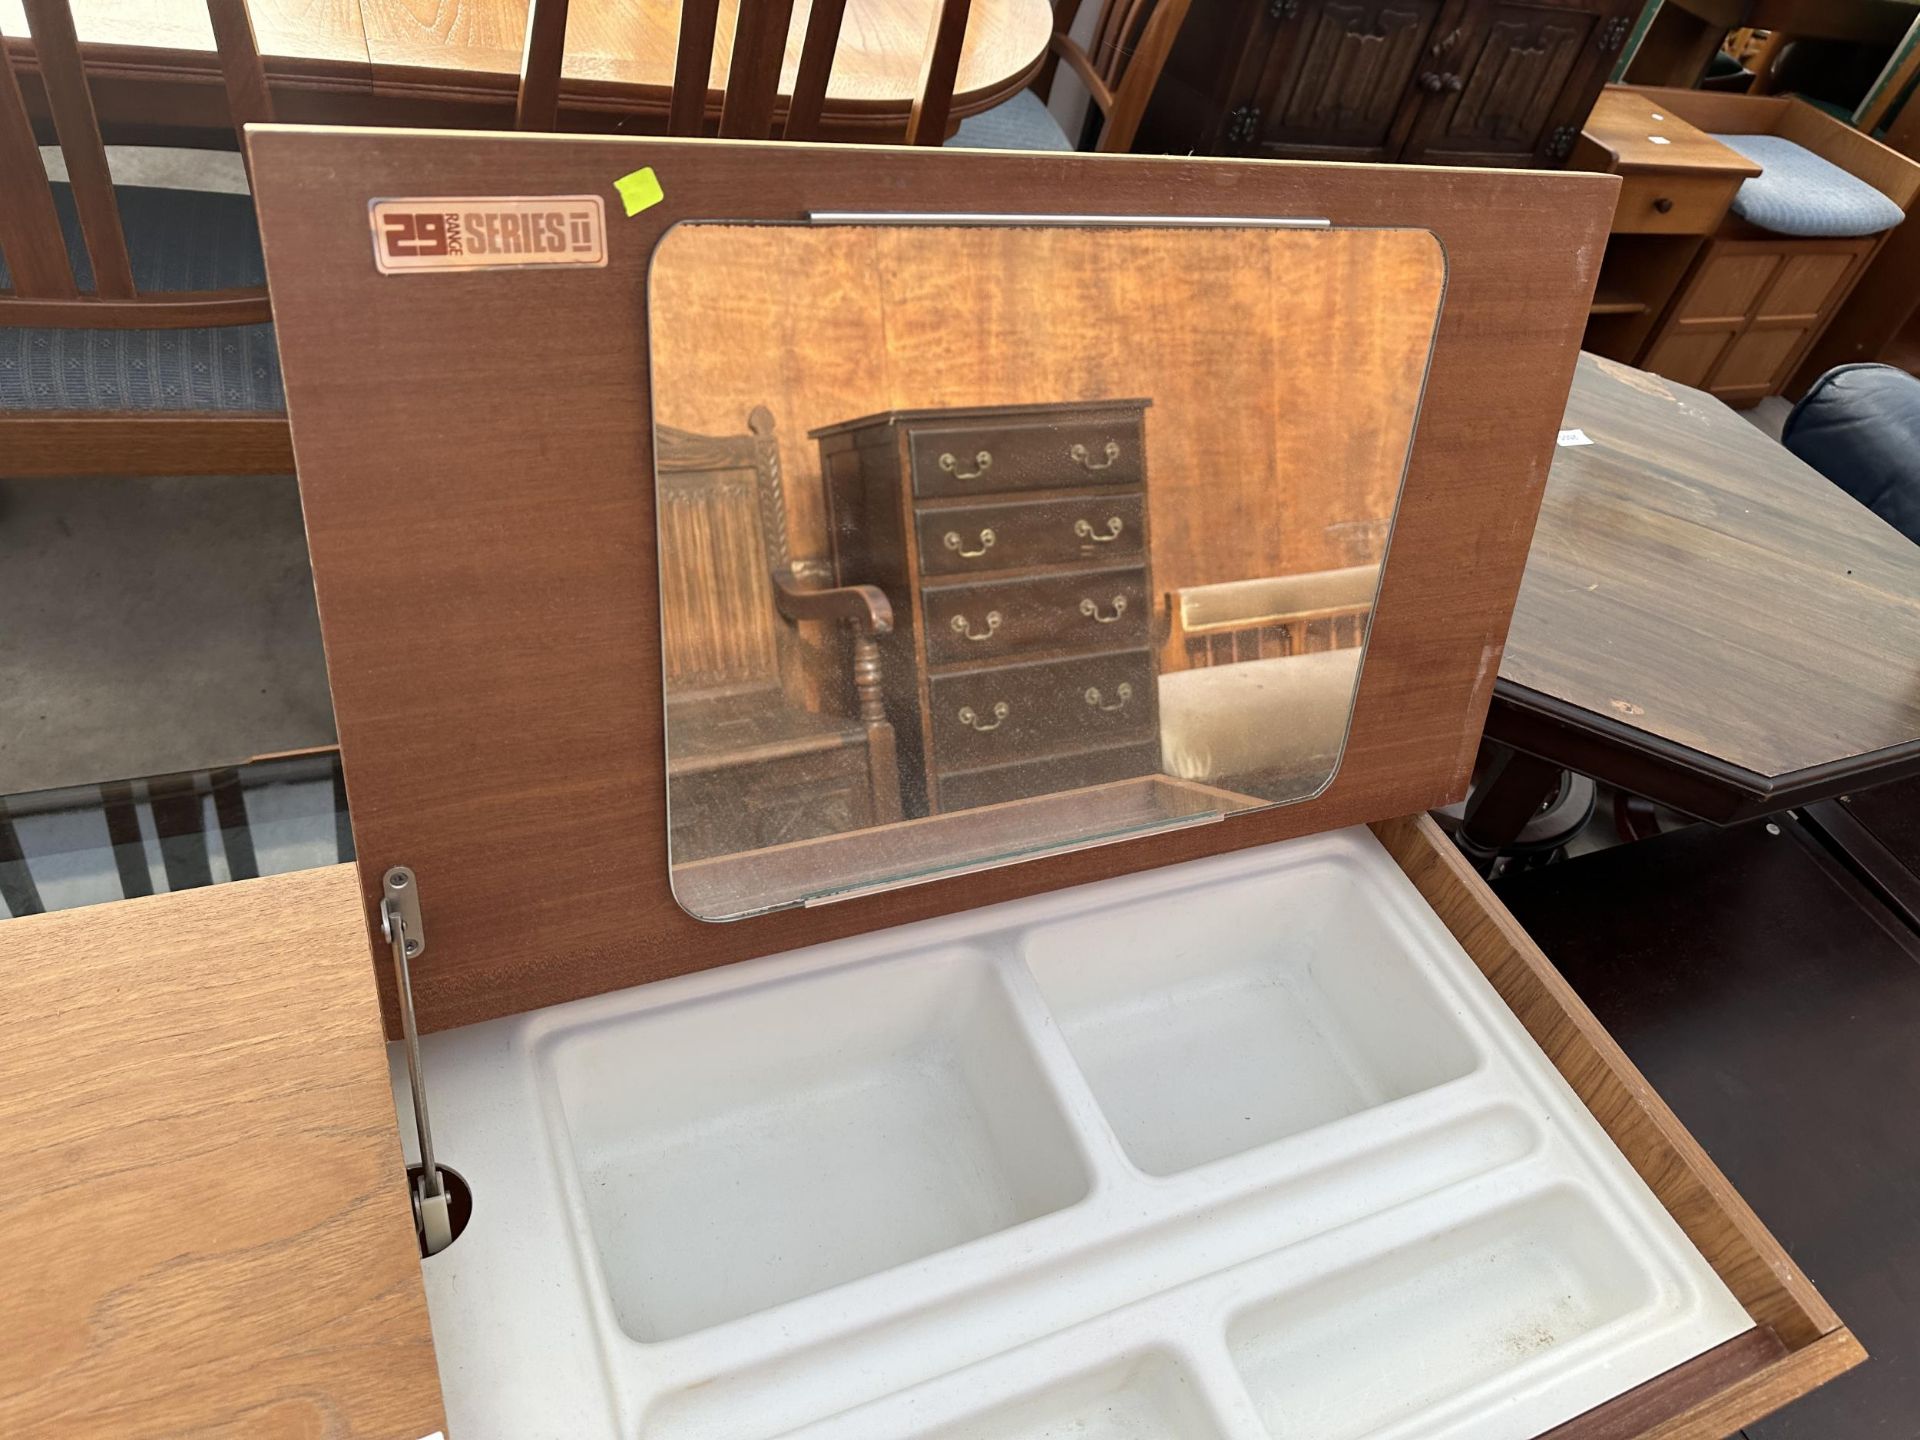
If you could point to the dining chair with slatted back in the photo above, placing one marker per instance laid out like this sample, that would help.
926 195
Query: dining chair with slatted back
1129 47
749 106
135 333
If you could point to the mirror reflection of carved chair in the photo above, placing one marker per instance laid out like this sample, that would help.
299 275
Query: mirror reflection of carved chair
765 743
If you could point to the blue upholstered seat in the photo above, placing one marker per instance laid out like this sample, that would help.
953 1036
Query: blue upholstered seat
1803 195
1022 123
177 240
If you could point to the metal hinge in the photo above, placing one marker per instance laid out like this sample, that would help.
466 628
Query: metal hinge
1613 34
1560 145
406 936
1242 124
1278 10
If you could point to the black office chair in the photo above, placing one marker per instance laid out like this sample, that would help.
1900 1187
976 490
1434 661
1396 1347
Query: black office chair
1859 425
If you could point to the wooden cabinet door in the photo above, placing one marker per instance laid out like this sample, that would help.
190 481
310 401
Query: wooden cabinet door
1749 310
1332 78
1510 81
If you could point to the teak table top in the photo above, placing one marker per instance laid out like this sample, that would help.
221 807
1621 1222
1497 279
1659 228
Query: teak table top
1697 593
203 1212
443 58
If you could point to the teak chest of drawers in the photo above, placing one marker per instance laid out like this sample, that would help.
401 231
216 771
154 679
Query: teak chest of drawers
1013 544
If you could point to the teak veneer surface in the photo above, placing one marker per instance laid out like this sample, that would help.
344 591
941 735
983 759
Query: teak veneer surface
203 1211
476 466
1691 579
1638 135
443 59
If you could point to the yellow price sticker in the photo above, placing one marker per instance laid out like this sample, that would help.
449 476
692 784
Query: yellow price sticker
639 191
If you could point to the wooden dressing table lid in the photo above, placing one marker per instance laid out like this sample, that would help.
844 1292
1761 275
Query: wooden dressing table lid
476 467
202 1208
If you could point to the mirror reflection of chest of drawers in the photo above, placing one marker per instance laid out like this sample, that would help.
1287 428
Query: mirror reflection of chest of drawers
1012 542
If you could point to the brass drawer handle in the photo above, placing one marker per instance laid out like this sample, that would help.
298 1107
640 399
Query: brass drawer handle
953 542
1084 529
1123 692
983 462
1086 462
962 626
1091 609
971 717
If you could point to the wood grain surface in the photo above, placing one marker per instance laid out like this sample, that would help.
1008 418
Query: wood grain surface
73 442
631 43
204 1212
1637 135
1284 366
476 469
299 30
1693 580
461 51
1721 1225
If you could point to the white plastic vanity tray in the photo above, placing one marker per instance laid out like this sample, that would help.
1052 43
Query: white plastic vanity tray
1245 1149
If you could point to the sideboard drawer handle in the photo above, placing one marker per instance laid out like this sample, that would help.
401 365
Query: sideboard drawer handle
1085 461
953 542
982 463
1084 529
1663 205
1091 609
971 717
1123 692
962 626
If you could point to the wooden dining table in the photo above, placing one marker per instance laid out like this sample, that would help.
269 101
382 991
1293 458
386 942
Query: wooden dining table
1705 621
455 63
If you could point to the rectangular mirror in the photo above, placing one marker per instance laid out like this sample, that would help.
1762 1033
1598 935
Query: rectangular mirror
978 542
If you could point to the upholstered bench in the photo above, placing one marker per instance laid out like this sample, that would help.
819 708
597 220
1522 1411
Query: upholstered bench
1272 725
1798 193
1795 240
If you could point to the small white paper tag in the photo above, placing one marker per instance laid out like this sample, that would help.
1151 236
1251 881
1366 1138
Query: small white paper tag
1659 139
1567 437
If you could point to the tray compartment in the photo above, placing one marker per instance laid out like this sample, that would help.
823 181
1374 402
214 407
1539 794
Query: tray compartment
739 1152
1257 1011
1139 1397
1379 1349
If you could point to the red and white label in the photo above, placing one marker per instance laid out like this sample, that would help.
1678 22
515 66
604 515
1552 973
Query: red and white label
489 232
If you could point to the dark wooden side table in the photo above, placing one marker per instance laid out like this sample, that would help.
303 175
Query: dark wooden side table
1704 621
1763 990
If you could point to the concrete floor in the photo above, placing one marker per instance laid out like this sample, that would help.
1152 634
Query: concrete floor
151 626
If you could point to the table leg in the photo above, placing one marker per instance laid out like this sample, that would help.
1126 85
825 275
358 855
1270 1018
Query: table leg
1512 790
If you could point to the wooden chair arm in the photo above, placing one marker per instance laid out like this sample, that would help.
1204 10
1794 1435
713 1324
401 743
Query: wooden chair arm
1077 59
864 605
